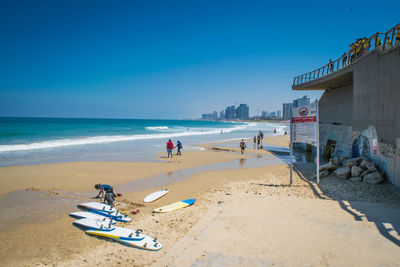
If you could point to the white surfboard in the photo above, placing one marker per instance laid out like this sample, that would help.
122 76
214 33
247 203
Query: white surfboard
119 233
92 224
147 242
98 206
156 195
90 215
105 210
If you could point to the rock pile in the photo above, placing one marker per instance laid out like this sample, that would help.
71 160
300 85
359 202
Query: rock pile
354 169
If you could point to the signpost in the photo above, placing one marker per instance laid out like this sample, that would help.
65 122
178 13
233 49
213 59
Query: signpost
304 129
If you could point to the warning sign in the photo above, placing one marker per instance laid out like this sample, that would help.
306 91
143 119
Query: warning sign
304 120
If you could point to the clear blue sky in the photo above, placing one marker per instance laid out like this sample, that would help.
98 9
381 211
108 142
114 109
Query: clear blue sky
170 59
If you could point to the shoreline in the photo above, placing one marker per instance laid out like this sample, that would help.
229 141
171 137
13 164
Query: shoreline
57 242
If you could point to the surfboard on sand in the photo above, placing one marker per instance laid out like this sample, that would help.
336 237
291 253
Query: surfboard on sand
104 210
98 206
176 205
91 224
156 195
119 233
129 237
90 215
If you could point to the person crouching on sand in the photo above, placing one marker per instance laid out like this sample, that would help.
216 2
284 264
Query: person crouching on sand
242 146
107 191
170 147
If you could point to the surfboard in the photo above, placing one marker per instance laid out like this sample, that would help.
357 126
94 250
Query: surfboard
90 215
176 205
105 210
119 233
146 242
98 206
91 224
156 195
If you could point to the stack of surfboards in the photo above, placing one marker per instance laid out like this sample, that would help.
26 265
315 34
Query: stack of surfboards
99 220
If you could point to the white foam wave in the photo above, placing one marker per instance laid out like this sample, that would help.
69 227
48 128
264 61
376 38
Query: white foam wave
156 128
109 139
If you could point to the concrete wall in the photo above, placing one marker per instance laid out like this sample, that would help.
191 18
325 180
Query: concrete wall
376 108
336 106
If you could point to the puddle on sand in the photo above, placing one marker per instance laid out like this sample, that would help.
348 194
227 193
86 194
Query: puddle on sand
162 180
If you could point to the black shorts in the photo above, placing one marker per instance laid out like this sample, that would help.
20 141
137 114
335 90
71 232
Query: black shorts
109 198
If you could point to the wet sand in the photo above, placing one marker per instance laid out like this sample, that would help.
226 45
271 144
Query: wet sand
233 198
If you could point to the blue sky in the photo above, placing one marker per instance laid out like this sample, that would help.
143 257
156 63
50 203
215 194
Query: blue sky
170 59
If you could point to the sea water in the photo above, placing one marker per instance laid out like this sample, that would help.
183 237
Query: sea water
28 141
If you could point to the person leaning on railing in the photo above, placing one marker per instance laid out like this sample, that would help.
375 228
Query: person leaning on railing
378 41
366 46
330 66
397 36
344 59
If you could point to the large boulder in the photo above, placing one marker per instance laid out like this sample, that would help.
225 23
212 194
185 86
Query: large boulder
364 163
365 172
336 162
352 162
371 167
373 178
356 171
323 173
343 172
328 166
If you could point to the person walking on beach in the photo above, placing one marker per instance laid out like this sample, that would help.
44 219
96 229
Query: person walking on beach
254 141
258 141
242 146
170 147
179 146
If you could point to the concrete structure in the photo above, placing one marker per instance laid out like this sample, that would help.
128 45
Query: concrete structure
360 110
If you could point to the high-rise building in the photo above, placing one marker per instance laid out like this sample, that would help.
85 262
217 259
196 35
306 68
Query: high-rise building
278 114
242 112
222 115
287 111
230 113
300 102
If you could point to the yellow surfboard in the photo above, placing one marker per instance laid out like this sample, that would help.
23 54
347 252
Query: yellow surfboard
176 205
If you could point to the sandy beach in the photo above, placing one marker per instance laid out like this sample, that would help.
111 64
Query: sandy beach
247 213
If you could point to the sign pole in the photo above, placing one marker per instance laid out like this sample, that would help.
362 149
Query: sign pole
317 137
291 149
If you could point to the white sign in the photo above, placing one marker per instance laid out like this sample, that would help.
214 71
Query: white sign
304 124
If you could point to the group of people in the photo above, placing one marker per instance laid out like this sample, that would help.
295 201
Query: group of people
257 139
361 47
170 148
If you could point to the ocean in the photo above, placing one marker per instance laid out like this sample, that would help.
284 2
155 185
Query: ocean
29 141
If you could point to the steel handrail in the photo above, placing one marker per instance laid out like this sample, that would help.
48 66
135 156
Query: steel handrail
349 57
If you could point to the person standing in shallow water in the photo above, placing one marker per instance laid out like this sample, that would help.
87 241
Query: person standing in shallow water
170 147
242 146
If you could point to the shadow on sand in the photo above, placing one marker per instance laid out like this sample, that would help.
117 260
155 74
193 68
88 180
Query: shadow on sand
379 204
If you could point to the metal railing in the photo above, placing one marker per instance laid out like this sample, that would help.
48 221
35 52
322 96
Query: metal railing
354 54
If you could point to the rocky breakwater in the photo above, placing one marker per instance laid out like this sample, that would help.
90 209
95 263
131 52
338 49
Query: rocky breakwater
353 169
